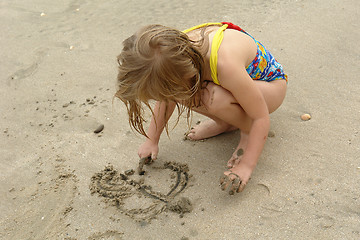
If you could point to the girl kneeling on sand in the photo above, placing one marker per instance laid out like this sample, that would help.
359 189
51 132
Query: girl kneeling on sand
216 69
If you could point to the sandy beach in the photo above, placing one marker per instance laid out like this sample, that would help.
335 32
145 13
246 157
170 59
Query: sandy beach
60 180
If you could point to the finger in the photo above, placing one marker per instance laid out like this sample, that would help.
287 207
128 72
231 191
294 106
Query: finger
223 179
235 186
143 154
225 183
148 160
241 187
141 166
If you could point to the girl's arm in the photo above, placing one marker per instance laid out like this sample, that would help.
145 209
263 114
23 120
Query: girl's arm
248 95
234 78
160 117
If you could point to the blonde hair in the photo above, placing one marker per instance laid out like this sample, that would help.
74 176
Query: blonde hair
163 64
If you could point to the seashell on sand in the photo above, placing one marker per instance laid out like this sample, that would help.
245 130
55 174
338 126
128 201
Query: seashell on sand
305 117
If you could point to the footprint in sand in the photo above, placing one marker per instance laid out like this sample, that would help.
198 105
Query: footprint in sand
134 197
31 69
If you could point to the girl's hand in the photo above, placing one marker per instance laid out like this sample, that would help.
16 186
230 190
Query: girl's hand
236 178
243 170
148 149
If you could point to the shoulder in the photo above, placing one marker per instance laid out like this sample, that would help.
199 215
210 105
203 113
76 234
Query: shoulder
236 51
237 46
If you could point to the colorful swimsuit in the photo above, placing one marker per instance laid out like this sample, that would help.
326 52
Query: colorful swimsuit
263 67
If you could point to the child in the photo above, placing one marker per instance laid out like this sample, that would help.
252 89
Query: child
216 69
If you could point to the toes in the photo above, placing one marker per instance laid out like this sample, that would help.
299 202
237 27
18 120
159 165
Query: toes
189 135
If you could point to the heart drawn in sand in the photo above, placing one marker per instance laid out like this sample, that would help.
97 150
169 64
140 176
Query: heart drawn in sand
138 200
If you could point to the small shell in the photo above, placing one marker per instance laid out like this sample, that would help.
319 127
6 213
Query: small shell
305 117
99 129
42 14
71 47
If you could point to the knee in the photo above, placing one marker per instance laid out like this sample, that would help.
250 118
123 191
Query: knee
218 98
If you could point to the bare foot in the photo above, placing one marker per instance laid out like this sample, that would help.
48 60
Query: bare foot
208 129
239 151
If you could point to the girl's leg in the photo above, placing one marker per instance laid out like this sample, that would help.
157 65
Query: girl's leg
218 104
226 114
221 106
209 128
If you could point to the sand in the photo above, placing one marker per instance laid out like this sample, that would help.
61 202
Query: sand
58 76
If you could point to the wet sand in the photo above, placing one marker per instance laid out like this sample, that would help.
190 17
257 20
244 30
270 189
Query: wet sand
58 75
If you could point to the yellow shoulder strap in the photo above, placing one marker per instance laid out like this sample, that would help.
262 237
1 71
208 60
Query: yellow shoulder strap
200 26
218 37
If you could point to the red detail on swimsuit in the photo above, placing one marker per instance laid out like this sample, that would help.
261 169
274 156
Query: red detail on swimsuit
233 26
270 74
